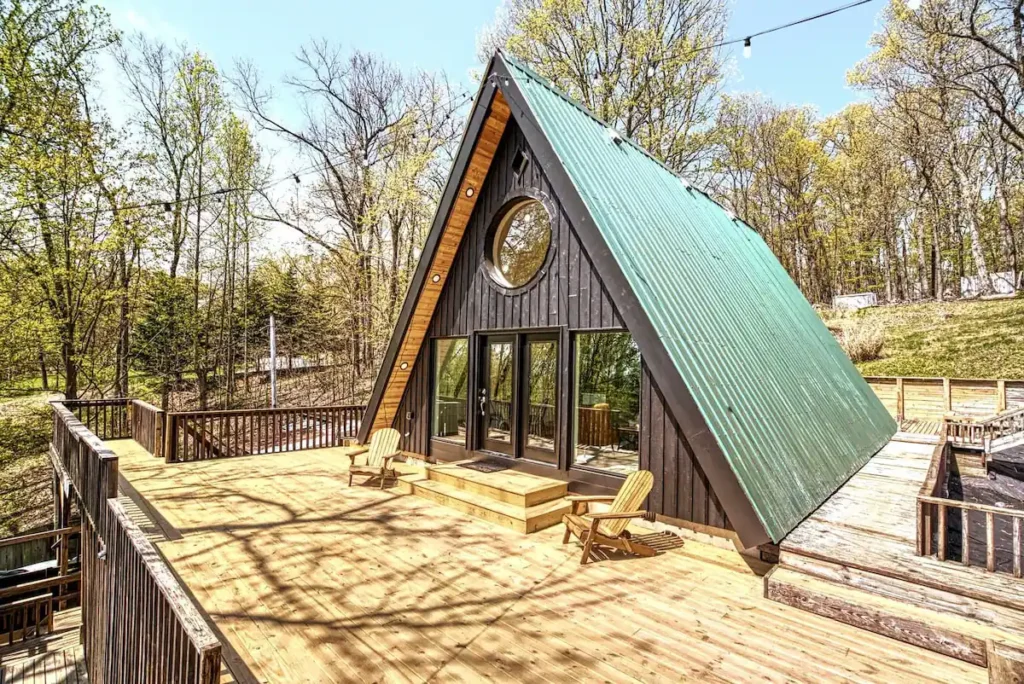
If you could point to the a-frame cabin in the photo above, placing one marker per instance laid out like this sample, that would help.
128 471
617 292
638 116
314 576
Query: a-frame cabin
580 311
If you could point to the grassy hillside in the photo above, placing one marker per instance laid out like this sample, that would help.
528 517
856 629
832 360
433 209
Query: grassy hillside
966 339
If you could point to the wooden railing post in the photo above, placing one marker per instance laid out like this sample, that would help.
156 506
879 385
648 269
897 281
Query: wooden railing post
899 400
170 438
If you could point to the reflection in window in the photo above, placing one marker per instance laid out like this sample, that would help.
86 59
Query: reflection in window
607 402
521 243
451 377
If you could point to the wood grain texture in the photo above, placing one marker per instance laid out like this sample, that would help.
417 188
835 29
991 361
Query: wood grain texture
483 152
312 582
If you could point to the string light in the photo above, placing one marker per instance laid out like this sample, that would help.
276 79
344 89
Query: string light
746 48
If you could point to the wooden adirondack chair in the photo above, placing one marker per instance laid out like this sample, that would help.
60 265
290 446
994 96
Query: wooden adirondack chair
382 449
609 528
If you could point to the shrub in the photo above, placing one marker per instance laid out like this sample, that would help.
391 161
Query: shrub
861 340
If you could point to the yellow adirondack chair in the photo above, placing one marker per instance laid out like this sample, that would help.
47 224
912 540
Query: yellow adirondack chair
382 449
609 528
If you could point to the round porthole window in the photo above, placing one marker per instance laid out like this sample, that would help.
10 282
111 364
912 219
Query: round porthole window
521 243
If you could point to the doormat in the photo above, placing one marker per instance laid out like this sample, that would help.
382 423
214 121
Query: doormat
487 465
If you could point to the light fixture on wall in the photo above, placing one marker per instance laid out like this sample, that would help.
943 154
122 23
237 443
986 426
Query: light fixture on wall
470 191
436 278
404 365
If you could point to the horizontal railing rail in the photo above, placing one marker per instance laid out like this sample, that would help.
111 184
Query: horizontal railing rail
934 520
136 618
201 435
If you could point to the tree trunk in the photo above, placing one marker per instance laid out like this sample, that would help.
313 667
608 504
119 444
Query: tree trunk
42 370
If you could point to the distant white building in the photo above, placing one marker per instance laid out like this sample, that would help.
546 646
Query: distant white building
853 302
1003 283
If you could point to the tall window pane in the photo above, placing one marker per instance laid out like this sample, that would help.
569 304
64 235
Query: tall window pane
607 402
451 379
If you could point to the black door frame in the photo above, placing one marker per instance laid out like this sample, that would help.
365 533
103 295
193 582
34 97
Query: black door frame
523 451
480 367
481 417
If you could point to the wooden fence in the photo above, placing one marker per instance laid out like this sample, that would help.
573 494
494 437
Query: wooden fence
200 435
105 418
931 399
935 522
137 623
147 426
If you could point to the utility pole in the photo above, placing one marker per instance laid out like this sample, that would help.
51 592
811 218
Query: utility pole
273 364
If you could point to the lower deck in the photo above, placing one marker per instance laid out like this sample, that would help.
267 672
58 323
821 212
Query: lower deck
308 580
54 658
855 559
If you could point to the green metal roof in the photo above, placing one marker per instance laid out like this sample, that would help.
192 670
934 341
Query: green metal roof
790 412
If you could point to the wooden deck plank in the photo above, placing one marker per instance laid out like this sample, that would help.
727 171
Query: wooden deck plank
312 581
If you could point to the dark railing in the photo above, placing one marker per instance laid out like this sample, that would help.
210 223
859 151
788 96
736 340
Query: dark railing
200 435
105 418
147 426
137 622
934 521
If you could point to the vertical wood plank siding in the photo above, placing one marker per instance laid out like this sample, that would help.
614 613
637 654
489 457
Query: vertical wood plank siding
137 622
569 294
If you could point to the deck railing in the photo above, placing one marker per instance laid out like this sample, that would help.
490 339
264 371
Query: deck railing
934 518
200 435
105 418
147 426
26 609
980 433
137 622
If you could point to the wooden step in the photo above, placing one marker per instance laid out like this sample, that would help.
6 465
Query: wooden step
894 588
508 486
950 635
524 519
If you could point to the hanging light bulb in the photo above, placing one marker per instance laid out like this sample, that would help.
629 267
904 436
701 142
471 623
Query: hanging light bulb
296 177
746 48
913 5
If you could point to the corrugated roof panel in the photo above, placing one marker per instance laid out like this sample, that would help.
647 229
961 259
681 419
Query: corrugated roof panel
789 410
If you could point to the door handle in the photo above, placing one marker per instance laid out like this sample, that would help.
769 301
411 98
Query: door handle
483 402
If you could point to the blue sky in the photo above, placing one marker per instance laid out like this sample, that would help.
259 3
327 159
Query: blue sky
802 65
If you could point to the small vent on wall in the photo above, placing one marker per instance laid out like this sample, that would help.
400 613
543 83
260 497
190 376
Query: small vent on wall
520 163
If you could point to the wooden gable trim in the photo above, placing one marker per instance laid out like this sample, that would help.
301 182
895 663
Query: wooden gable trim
702 441
487 125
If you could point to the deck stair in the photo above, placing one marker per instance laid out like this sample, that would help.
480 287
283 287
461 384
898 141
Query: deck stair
940 620
854 560
515 500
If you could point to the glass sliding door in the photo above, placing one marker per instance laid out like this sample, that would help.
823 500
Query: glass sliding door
606 405
497 395
540 398
450 389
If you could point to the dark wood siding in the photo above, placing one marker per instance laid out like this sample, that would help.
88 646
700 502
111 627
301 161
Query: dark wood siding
681 489
571 296
569 293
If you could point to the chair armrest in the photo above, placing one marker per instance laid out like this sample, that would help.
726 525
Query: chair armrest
390 457
595 498
620 516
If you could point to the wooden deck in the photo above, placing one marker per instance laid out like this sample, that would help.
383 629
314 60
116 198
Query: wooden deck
56 658
855 560
311 581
